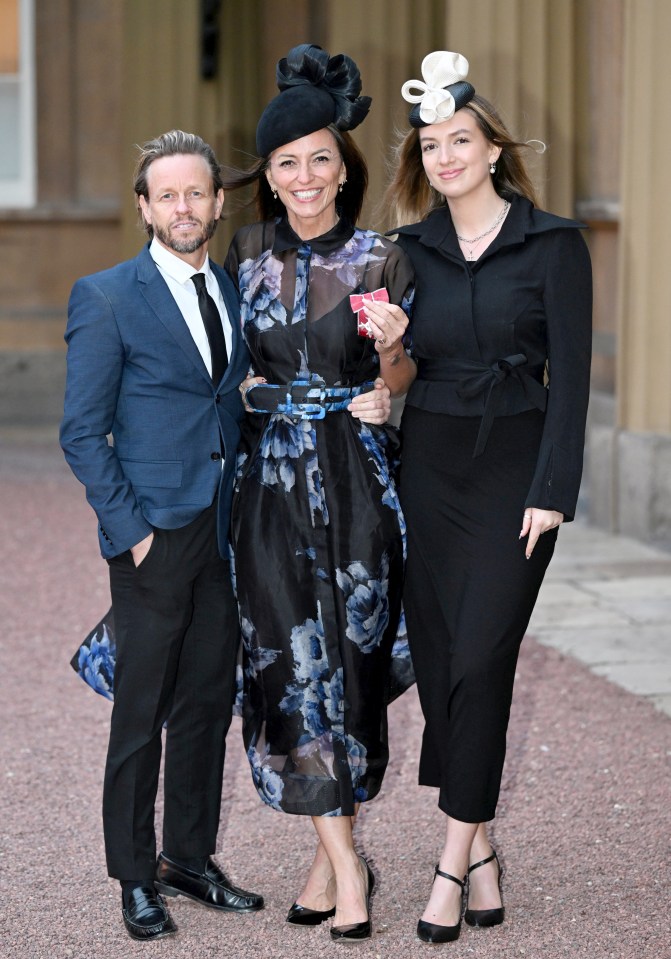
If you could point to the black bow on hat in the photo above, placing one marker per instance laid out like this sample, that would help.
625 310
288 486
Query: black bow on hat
315 90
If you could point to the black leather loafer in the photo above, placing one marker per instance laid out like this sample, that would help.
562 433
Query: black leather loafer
211 888
146 916
302 916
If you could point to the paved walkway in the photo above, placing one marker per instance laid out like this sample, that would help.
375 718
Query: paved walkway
584 818
606 601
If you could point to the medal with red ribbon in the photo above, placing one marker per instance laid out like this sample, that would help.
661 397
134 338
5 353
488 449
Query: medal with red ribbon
358 303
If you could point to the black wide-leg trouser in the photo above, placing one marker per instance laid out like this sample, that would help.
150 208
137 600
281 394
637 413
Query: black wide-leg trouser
469 593
177 638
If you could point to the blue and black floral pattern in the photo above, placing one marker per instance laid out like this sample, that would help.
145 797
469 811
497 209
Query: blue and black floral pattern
259 282
95 659
318 532
356 757
268 783
257 657
366 603
377 444
289 444
314 694
359 253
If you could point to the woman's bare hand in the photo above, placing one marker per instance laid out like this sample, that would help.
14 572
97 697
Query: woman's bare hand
536 522
388 323
372 407
245 385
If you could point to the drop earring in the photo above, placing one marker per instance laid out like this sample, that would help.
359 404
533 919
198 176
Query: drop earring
342 185
492 168
274 192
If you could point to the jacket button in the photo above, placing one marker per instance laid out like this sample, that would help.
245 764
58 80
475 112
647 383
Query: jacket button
217 398
215 456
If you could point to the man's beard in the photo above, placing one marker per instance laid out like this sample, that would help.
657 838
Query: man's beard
186 244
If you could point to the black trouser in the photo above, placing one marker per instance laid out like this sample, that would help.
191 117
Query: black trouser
177 638
469 593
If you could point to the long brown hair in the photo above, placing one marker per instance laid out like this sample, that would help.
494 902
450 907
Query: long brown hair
349 200
410 197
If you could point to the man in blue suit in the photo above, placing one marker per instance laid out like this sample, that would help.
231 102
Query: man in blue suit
155 359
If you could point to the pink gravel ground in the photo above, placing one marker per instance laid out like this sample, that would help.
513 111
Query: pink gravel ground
583 826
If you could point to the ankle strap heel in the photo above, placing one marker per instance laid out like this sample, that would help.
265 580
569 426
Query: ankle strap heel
430 931
486 917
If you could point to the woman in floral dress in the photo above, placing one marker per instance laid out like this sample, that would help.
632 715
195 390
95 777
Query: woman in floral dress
317 529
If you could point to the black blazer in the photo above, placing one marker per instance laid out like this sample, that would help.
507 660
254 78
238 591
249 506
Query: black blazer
484 334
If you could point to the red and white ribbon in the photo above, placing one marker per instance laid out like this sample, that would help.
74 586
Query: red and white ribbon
358 300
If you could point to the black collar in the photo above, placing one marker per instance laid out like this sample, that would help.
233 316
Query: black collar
337 236
437 229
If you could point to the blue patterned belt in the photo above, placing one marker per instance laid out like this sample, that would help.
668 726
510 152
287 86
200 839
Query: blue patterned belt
305 400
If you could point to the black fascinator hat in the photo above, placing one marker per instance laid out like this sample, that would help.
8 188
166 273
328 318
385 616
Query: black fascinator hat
315 91
442 92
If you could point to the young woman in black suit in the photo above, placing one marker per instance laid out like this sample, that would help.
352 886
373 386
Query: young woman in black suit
493 432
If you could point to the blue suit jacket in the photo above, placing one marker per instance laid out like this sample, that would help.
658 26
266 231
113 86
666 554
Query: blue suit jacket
134 371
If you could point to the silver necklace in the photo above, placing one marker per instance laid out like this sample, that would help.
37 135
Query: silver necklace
474 242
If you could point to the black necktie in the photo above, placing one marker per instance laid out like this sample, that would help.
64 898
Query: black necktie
213 328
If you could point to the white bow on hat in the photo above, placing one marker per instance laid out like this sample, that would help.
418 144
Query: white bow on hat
439 69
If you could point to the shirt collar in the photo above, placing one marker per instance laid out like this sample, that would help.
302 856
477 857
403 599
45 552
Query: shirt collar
337 236
174 266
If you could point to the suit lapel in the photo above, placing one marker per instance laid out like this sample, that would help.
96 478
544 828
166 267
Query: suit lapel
155 291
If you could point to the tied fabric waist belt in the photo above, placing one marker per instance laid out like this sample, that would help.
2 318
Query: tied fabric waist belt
474 378
308 401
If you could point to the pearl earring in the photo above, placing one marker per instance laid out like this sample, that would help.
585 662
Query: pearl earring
492 168
274 192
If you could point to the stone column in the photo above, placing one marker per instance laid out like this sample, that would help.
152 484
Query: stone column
600 46
644 314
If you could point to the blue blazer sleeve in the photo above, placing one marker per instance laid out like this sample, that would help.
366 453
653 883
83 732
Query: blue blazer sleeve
95 364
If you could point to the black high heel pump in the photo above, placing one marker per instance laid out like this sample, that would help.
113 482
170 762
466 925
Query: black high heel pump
486 917
303 916
357 931
430 931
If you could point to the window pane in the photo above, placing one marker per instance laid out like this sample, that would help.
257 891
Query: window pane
17 104
9 36
9 124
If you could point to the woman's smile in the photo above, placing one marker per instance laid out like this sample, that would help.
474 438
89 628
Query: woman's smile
306 175
307 195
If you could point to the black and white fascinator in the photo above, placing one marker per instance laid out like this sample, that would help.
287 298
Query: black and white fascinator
442 92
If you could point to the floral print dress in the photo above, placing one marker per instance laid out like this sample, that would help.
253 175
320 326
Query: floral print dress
318 533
